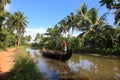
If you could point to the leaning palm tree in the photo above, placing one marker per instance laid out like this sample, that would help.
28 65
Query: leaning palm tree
90 20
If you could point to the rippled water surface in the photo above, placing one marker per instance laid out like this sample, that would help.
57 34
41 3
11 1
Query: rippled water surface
78 67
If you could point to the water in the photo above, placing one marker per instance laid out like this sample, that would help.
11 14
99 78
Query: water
78 67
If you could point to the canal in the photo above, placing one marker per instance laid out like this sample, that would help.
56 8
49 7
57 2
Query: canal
78 67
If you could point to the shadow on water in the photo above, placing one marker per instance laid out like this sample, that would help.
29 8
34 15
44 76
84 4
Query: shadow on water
79 67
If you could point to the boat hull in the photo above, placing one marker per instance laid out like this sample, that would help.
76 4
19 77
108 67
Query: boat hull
58 56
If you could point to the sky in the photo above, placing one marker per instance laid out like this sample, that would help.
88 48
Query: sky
43 14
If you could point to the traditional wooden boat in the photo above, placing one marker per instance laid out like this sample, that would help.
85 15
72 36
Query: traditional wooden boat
58 55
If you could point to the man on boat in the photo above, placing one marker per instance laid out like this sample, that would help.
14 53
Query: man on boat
64 45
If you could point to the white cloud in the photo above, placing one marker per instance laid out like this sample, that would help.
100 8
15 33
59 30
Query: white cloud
7 7
34 31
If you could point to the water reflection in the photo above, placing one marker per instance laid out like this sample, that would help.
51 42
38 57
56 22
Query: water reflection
54 70
95 67
51 69
79 67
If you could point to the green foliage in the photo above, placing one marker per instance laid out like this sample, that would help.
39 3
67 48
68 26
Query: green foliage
35 45
7 39
115 5
24 68
9 24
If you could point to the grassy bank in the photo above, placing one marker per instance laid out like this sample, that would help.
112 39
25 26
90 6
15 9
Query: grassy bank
24 68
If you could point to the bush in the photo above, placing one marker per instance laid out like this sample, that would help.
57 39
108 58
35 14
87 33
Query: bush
24 69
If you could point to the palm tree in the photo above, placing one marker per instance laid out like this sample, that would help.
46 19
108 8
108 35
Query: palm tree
2 11
20 25
102 35
3 16
63 26
109 3
18 21
72 22
90 20
113 4
53 35
37 38
3 3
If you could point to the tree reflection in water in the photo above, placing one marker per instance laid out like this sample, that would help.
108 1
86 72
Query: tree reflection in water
79 67
95 67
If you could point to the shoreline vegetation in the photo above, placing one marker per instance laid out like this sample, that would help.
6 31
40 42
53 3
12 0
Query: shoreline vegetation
110 52
24 67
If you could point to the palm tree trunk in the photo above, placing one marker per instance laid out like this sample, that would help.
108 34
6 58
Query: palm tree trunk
83 37
18 40
19 37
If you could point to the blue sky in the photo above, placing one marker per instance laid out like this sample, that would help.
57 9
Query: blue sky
42 14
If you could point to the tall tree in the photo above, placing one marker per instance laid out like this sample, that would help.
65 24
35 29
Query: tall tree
113 4
3 3
72 22
53 35
63 26
90 20
19 22
2 11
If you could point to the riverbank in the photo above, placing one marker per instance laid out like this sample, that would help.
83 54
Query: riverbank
24 68
16 64
7 60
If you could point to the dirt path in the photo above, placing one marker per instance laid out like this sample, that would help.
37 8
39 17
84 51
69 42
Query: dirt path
6 60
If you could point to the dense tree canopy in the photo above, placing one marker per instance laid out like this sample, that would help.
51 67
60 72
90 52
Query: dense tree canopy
10 24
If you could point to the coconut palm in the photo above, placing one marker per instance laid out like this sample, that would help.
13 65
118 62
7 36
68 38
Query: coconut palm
3 16
21 23
18 21
37 38
90 20
72 22
3 13
109 3
63 26
3 28
113 4
3 3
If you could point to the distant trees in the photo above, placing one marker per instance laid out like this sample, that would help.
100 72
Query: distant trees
37 37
